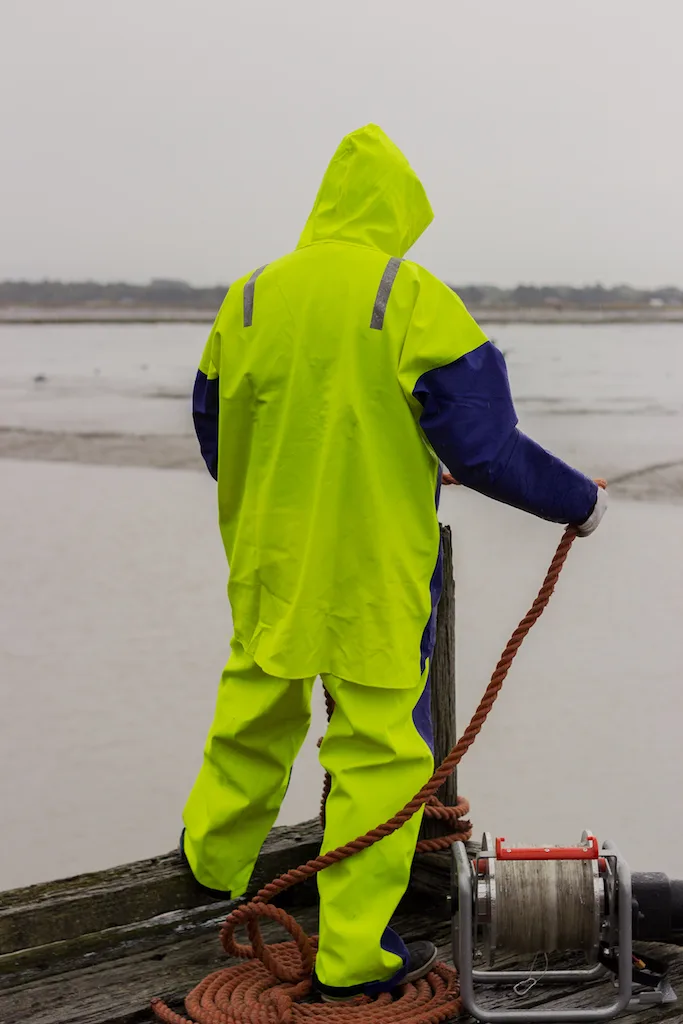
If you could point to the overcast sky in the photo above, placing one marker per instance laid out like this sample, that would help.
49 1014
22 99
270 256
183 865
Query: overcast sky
158 138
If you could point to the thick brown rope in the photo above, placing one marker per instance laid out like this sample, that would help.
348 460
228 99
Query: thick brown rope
269 989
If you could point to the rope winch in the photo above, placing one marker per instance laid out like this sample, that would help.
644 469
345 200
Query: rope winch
548 899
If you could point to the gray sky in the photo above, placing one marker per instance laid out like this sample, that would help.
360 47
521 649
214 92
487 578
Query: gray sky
157 138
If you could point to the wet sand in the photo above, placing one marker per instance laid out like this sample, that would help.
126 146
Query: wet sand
649 482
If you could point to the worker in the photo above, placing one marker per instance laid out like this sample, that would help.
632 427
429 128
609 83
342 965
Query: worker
335 382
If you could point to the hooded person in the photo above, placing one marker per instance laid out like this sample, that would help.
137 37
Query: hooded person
335 382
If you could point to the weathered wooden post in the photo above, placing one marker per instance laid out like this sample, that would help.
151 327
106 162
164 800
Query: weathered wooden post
443 682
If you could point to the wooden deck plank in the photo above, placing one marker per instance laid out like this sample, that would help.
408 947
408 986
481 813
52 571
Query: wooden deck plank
117 988
119 991
67 909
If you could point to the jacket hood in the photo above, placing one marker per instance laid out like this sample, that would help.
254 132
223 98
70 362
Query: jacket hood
370 195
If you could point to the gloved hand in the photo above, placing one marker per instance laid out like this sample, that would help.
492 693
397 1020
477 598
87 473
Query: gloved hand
593 521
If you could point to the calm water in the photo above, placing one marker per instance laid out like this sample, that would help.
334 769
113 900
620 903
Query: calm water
114 623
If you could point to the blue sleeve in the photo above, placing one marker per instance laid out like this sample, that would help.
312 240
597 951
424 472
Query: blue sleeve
469 419
205 416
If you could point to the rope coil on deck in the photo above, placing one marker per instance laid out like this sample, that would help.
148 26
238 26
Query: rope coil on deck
271 986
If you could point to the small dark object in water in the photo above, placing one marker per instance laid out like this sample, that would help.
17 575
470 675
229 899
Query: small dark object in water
39 378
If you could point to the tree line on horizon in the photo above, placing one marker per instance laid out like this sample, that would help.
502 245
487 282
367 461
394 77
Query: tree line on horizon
162 293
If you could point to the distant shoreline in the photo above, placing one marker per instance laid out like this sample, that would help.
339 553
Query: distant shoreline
17 315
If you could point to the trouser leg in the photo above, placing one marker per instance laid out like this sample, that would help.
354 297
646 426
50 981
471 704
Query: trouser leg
258 727
378 760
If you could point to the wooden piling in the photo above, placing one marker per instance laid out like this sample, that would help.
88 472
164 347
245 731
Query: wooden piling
442 678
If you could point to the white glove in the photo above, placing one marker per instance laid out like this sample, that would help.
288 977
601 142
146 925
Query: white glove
593 521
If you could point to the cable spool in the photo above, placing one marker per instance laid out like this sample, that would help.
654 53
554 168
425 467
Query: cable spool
543 899
548 906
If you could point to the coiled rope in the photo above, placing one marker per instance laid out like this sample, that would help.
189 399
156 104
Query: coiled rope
273 986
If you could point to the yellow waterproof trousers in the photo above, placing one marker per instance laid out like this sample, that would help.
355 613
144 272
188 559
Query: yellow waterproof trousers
378 755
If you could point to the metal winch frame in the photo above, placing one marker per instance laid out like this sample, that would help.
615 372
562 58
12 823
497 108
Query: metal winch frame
476 915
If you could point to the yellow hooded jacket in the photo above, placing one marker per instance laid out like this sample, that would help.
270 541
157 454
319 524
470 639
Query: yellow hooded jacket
309 406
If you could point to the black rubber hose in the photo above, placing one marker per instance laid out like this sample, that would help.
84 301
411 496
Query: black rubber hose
657 908
677 910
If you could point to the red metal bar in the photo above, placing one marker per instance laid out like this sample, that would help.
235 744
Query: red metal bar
591 852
